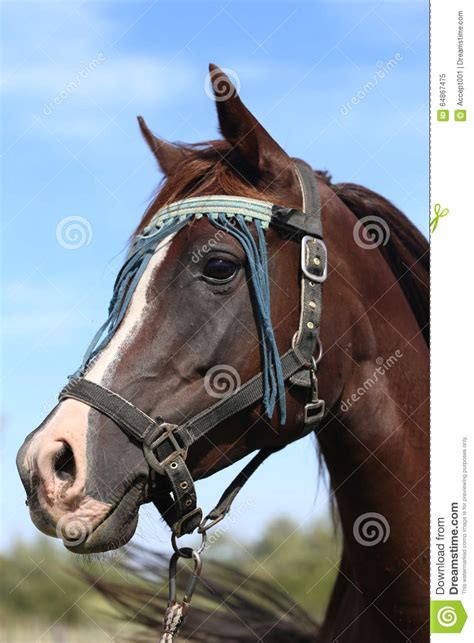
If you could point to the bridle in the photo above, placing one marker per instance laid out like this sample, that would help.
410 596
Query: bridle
166 445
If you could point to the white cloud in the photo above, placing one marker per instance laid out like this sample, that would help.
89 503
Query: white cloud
77 95
109 80
71 71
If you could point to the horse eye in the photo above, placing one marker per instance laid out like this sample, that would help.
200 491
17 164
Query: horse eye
218 269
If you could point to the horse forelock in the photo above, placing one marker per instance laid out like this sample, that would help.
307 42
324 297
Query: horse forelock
214 167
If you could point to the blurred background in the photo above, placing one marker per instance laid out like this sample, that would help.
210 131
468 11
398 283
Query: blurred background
343 85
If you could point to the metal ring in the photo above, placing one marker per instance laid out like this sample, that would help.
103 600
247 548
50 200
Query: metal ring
187 552
294 339
317 359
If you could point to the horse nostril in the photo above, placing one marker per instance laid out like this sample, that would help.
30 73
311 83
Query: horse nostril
64 463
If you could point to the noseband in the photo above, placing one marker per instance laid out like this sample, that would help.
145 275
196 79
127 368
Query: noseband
166 445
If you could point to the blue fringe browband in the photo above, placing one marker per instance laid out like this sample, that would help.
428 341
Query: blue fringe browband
231 214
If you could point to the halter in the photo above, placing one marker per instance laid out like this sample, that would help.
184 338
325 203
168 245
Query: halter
166 445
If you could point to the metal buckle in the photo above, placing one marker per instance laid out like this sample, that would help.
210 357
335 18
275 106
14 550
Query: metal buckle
149 449
178 527
314 411
319 278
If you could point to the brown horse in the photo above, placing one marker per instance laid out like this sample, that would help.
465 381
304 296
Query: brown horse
193 310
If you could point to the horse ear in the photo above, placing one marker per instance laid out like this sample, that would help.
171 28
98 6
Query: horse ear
169 156
240 128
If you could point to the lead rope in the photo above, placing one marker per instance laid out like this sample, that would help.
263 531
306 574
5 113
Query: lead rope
172 622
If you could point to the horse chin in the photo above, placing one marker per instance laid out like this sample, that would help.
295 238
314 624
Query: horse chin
116 529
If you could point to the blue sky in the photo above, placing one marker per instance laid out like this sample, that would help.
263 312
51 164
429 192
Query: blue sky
76 74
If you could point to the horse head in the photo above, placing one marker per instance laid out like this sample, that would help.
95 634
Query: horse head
188 335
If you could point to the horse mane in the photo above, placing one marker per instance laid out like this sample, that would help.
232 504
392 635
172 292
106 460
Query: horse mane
406 251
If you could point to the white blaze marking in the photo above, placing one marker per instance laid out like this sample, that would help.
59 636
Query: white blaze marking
69 423
102 368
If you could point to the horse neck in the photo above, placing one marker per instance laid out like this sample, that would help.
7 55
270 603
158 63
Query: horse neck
375 443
